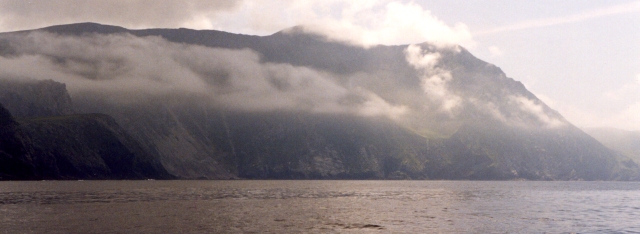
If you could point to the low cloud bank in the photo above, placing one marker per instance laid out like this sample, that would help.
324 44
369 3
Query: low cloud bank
434 80
126 68
360 22
512 109
371 23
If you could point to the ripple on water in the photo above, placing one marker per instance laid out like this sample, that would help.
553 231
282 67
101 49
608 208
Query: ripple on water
319 206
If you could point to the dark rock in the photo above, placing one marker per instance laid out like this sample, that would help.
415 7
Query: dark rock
196 141
15 162
31 98
89 146
72 147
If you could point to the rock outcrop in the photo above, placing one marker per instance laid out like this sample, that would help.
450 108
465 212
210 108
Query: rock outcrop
86 146
31 98
464 118
15 160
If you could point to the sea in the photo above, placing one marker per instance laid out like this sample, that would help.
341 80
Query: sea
324 206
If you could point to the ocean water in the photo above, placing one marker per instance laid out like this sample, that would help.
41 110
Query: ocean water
319 207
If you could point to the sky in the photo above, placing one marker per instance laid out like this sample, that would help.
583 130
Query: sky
580 57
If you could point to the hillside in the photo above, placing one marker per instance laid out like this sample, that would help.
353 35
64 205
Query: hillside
88 146
15 161
625 142
38 99
293 105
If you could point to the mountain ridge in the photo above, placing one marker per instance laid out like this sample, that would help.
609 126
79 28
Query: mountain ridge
459 117
85 146
625 142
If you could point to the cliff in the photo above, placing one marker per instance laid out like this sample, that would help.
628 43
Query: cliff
211 104
89 146
31 98
15 160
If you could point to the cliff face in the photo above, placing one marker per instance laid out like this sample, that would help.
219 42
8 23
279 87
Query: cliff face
625 142
303 146
461 118
299 145
15 161
33 98
89 146
176 134
538 154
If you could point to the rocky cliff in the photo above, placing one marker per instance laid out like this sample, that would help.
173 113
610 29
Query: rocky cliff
31 98
211 104
625 142
15 160
88 146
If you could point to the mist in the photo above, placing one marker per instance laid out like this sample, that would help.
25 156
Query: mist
371 23
124 68
362 23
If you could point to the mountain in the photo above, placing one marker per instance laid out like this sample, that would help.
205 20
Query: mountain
85 146
294 105
40 98
15 162
625 142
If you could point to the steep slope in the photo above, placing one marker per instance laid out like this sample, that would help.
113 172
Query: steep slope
39 98
294 105
88 146
566 154
484 88
170 132
290 145
625 142
15 162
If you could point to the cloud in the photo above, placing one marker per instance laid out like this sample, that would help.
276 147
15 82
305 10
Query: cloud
125 68
537 110
622 114
361 22
384 22
441 96
547 100
630 7
490 108
434 80
495 51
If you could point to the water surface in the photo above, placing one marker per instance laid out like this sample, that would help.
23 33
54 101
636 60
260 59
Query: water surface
318 207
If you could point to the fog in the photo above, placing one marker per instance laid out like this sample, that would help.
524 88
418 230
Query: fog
434 80
369 23
514 35
126 68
